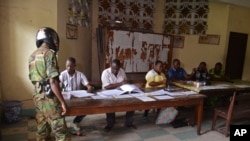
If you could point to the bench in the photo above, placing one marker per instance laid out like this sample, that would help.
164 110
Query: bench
239 107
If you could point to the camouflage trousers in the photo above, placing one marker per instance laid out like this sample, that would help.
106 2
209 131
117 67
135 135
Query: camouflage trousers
48 117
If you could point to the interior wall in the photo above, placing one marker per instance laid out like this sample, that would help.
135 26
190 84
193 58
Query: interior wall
95 71
239 22
192 53
19 22
79 48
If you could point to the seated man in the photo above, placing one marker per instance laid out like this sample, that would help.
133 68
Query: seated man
200 73
112 78
155 78
217 73
71 79
176 73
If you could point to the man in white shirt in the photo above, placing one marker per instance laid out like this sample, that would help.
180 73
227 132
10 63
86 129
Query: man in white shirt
112 78
71 80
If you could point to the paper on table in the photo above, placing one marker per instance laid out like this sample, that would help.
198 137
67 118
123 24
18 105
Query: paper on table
145 98
137 94
174 93
101 97
80 93
123 96
161 97
111 92
130 88
157 92
66 95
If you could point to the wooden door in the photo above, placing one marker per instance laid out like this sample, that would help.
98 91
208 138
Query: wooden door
236 55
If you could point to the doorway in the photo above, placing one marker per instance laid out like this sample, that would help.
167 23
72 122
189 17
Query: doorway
236 55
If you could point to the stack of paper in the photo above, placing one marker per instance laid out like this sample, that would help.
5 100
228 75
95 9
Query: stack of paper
130 88
122 92
77 93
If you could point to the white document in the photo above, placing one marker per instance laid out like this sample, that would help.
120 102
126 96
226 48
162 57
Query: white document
145 98
80 93
157 92
77 93
101 97
138 94
174 93
123 96
111 92
130 88
161 97
66 95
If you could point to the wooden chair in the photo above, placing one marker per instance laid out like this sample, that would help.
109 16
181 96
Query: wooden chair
225 113
239 107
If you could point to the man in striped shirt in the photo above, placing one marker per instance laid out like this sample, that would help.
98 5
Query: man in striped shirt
71 80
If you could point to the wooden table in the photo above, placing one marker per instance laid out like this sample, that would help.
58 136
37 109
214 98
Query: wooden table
213 89
82 106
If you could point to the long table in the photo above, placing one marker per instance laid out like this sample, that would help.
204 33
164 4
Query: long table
217 87
82 106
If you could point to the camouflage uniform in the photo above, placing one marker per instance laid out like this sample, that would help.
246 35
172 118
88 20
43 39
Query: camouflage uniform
43 65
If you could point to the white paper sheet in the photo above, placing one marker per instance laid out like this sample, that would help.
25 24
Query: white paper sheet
158 92
130 88
123 96
145 98
174 93
161 97
66 95
81 93
111 92
138 94
101 97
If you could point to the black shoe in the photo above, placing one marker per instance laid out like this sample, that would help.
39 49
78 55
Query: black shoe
107 128
131 126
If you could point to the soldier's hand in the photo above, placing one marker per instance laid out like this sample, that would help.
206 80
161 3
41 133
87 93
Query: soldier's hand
64 109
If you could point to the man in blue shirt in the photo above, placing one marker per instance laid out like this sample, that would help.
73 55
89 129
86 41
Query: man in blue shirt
176 73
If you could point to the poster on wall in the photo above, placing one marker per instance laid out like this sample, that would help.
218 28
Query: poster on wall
71 31
209 39
137 51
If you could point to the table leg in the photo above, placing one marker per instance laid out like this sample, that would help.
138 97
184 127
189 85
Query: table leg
199 114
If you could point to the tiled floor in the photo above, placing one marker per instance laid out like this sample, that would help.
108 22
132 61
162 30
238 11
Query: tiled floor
92 125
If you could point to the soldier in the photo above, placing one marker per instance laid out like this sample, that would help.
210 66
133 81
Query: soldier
44 75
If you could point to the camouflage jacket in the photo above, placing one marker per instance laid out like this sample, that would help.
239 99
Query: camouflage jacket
43 64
